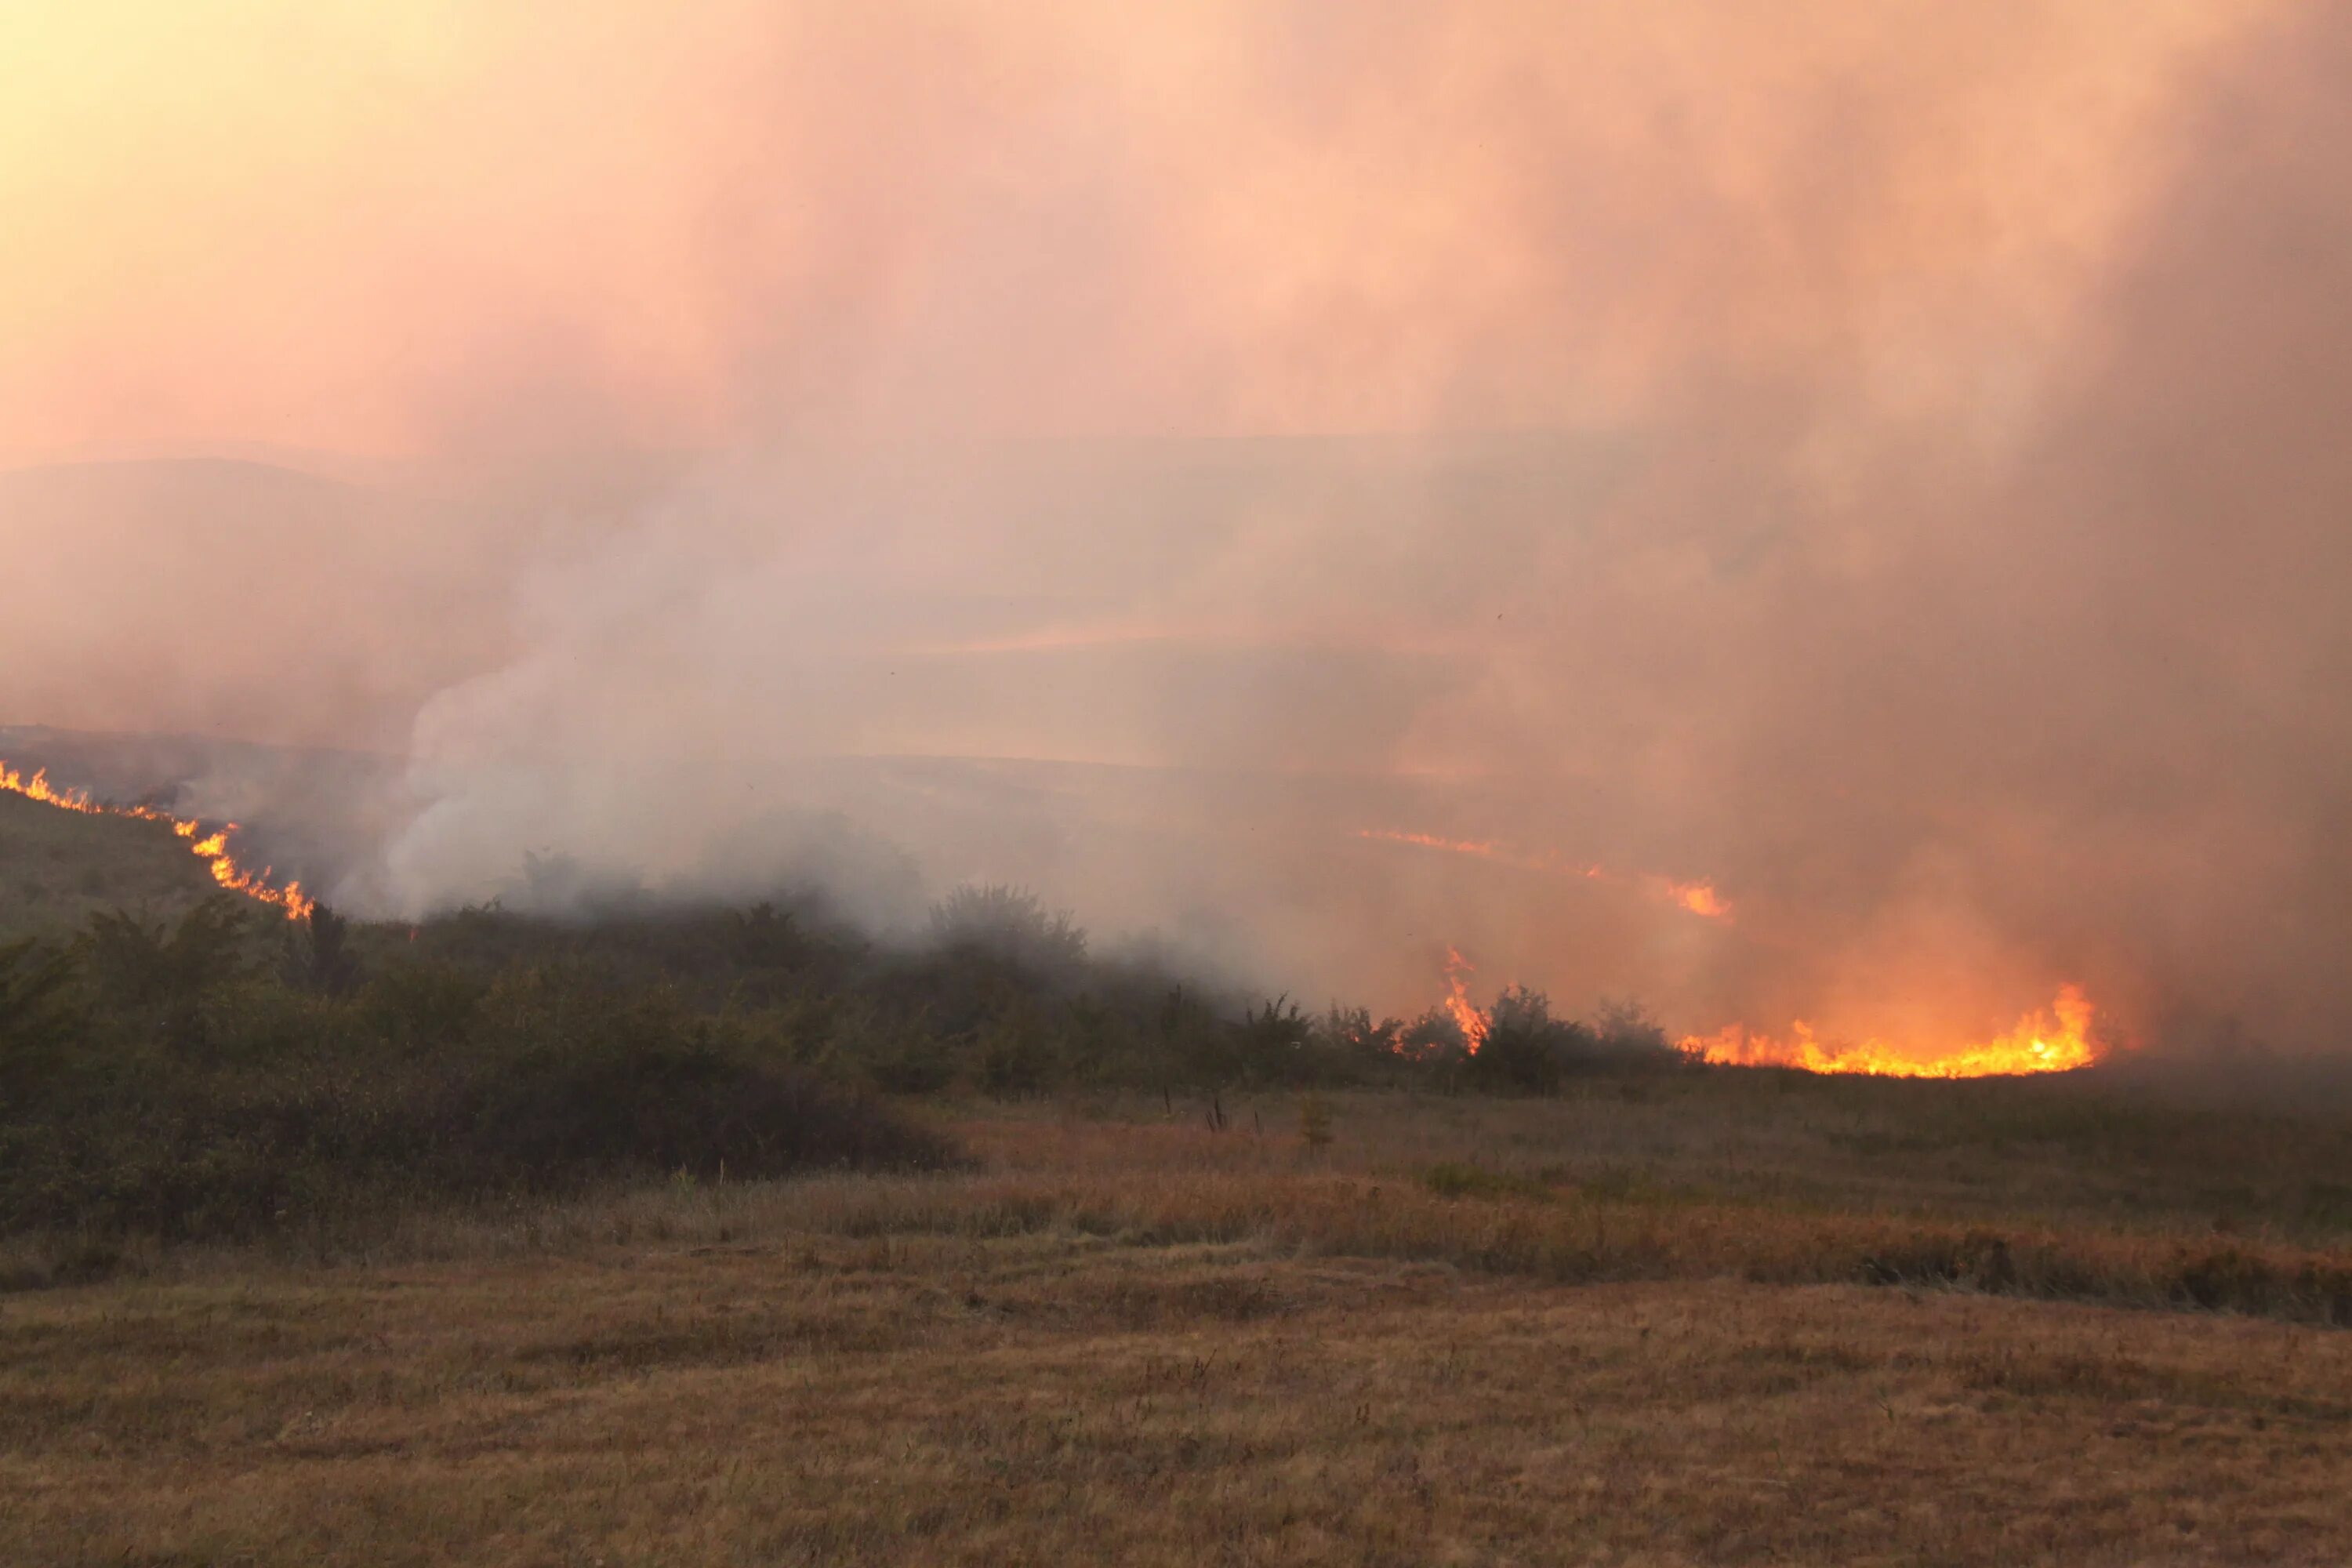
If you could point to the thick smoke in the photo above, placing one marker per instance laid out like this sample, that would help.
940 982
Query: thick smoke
1875 459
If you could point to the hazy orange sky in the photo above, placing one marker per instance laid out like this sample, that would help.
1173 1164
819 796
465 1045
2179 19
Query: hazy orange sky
406 228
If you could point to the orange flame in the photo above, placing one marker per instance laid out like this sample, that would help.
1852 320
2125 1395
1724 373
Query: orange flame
1484 849
1698 897
212 848
2056 1040
1457 1005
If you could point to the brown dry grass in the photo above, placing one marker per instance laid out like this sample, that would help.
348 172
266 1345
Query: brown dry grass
1127 1339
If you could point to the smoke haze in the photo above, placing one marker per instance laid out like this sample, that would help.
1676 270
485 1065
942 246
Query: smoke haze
1878 461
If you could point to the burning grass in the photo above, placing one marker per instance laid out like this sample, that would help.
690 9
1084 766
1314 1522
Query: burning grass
2061 1039
515 1241
209 846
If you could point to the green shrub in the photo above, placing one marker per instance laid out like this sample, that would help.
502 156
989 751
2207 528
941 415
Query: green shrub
40 1016
1008 923
423 1002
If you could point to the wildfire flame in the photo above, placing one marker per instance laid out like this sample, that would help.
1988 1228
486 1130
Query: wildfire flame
1698 897
1457 1005
1484 849
2057 1039
211 848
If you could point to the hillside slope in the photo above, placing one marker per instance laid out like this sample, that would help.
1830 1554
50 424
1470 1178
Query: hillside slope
59 867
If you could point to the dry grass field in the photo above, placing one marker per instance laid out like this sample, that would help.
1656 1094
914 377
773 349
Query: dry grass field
1720 1319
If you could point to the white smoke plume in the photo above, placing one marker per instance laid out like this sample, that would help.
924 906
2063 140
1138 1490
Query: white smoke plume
1877 461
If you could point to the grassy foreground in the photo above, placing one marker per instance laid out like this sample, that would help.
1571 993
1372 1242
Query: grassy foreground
1712 1319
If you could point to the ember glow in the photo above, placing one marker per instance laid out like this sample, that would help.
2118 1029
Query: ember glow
212 848
2056 1040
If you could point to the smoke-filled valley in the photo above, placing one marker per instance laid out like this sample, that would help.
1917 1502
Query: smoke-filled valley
1831 467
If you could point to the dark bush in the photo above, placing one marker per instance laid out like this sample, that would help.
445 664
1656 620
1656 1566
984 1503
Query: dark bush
139 965
1626 1037
193 1154
1009 923
1525 1048
665 1106
422 1003
1357 1049
1011 1056
1271 1043
38 1016
225 1075
318 954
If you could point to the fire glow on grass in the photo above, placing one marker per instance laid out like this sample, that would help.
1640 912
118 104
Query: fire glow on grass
2057 1039
210 847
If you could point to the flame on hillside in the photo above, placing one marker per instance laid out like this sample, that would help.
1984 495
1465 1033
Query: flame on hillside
2057 1039
1698 897
212 848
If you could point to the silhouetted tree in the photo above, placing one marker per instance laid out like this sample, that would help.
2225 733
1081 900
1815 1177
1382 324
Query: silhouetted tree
318 956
